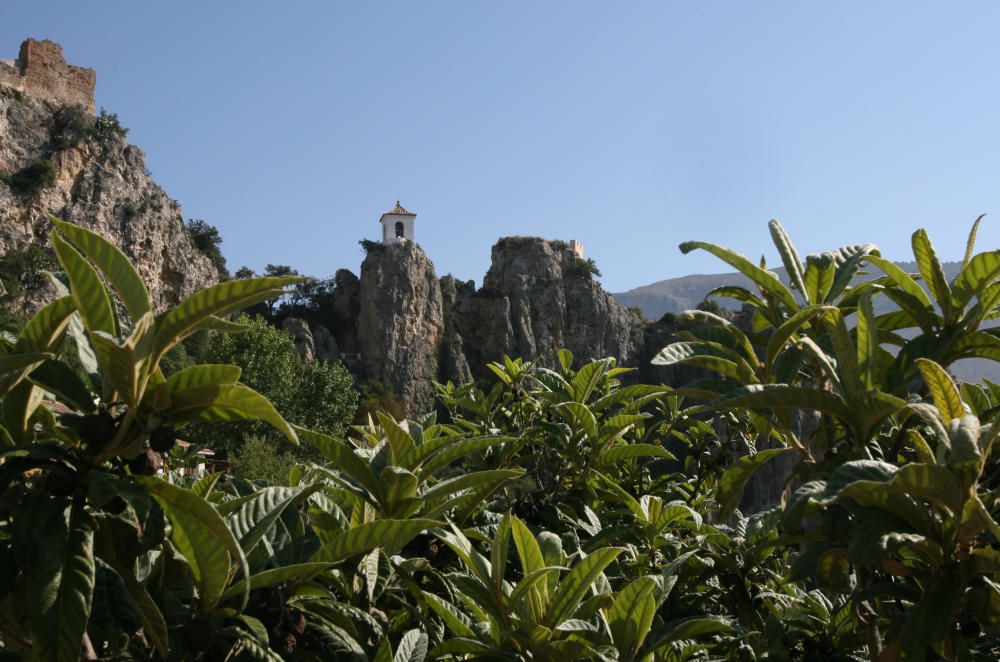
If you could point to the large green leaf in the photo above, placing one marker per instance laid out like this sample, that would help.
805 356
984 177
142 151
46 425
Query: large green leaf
631 616
977 344
932 271
343 457
401 442
185 318
844 350
86 288
202 537
454 451
715 321
632 451
588 377
789 257
848 261
412 647
580 417
711 356
869 409
689 628
121 365
970 243
298 572
466 481
781 396
980 272
113 263
203 375
902 280
254 517
19 405
65 384
738 293
223 403
735 478
928 482
944 391
389 533
453 619
14 368
868 342
779 339
46 326
818 278
527 547
575 585
62 583
765 279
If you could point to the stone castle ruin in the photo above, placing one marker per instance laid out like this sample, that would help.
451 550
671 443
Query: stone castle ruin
41 72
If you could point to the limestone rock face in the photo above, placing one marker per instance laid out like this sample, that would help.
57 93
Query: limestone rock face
101 183
305 344
537 298
401 323
542 298
312 343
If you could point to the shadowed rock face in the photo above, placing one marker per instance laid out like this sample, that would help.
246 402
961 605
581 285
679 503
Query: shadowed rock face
101 183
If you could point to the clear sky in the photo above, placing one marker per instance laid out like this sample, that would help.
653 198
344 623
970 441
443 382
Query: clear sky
629 126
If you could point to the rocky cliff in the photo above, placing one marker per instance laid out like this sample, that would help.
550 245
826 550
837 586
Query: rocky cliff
400 323
542 297
411 328
58 158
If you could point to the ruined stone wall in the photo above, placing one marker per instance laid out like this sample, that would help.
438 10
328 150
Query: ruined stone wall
40 71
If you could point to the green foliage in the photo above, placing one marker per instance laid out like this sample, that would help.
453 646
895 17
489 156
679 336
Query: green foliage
557 513
208 241
581 268
21 270
30 180
373 397
107 125
73 124
318 395
894 473
263 459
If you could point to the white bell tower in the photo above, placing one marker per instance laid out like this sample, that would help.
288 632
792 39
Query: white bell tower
397 225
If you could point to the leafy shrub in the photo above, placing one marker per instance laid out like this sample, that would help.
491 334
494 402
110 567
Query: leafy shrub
580 268
70 125
374 396
107 125
318 395
30 180
263 460
21 270
73 125
208 241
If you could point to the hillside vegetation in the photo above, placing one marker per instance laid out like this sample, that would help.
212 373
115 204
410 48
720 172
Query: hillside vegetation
551 514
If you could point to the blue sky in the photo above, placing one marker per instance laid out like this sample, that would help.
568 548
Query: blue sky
629 126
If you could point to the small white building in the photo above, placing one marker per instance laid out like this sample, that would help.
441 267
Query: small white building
576 247
397 225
